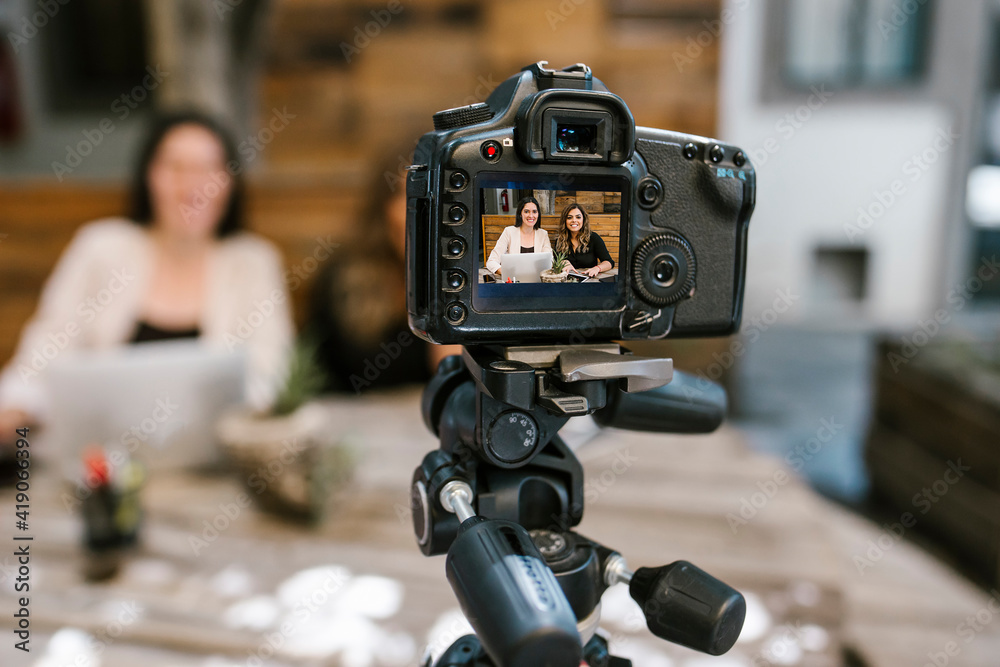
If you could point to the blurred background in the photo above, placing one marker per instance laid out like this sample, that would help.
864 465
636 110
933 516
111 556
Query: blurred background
869 358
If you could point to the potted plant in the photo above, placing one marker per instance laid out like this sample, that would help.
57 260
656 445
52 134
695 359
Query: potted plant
557 274
286 456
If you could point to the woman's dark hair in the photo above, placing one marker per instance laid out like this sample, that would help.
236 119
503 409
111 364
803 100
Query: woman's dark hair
141 201
520 207
386 179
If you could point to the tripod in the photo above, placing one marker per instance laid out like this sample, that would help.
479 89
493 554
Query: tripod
503 492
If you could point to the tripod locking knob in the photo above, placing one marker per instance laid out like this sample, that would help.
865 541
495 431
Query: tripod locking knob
685 605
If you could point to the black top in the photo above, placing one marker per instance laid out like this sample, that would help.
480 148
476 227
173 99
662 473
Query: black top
527 249
392 358
596 253
146 332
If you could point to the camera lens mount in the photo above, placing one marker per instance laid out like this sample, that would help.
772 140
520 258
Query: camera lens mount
663 269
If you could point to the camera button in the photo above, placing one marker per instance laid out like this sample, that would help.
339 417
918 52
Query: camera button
716 153
456 313
458 180
456 247
740 159
650 193
456 280
690 151
457 213
490 151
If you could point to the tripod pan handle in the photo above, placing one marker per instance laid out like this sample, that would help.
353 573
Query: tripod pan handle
511 597
687 405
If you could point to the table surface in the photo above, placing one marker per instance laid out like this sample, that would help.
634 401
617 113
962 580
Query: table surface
218 602
603 274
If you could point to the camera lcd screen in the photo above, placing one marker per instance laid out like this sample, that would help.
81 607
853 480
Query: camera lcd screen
549 242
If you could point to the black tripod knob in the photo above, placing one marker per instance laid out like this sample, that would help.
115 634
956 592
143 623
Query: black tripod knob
685 605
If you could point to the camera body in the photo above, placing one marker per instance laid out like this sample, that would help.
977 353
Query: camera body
671 209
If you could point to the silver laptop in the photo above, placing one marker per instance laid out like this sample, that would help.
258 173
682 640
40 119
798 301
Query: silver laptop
158 402
525 267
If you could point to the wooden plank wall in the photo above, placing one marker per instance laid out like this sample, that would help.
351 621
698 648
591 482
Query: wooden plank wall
355 103
938 411
39 220
356 98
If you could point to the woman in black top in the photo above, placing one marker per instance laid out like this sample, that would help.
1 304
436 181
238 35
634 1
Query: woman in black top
585 250
357 308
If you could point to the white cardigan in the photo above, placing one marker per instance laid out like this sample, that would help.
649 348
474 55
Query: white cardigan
93 297
510 243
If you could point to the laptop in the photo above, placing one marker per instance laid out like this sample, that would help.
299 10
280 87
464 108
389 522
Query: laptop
159 402
525 267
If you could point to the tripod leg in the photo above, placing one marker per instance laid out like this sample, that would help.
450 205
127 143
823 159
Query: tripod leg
468 652
596 654
465 652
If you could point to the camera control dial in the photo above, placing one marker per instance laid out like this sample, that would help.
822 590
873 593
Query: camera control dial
663 269
472 114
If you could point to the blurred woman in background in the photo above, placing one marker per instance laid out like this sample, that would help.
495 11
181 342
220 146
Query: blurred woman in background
357 310
524 236
180 266
585 250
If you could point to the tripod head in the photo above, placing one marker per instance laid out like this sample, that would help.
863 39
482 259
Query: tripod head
503 492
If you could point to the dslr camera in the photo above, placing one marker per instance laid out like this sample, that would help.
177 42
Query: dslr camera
666 214
672 209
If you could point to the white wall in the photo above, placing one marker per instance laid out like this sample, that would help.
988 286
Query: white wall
817 168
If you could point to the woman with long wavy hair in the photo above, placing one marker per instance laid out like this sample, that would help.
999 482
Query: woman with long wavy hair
584 249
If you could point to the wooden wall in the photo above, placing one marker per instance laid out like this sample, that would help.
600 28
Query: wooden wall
355 101
357 96
39 221
605 224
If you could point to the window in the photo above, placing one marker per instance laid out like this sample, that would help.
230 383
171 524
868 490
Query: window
96 49
982 201
840 276
853 43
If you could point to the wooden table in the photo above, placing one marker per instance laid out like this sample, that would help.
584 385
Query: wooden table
484 272
666 498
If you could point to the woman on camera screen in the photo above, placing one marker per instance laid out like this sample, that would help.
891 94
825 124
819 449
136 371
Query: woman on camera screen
525 235
585 250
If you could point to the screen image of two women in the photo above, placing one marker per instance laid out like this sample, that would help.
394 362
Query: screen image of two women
584 249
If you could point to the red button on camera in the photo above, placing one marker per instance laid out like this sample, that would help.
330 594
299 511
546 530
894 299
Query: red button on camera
490 150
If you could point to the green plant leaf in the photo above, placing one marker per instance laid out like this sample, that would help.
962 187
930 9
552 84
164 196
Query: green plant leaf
305 379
